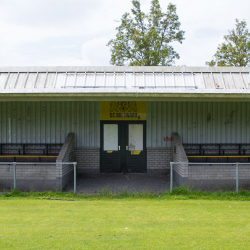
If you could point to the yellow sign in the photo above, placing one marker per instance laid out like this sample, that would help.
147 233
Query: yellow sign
124 110
135 152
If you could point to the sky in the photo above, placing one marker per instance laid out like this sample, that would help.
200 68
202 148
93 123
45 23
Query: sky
75 32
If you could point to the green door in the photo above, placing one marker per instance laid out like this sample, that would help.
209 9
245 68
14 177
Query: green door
123 147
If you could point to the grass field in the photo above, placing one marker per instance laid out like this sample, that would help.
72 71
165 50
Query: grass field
73 222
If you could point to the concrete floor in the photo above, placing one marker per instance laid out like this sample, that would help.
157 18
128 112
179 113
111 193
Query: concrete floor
95 183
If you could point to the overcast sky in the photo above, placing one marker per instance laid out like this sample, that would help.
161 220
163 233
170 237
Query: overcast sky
75 32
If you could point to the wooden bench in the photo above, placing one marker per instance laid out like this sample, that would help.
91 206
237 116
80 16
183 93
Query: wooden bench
221 157
27 158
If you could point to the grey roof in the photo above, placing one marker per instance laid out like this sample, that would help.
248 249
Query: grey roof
127 80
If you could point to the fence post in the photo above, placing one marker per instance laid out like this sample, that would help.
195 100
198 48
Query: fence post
74 177
237 177
171 177
14 166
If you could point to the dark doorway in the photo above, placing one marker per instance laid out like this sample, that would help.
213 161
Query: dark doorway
123 147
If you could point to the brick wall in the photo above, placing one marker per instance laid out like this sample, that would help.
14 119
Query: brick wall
206 177
180 171
66 155
159 159
30 177
88 159
41 177
214 177
218 172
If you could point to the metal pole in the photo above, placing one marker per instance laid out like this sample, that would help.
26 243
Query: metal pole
14 165
74 177
237 177
171 177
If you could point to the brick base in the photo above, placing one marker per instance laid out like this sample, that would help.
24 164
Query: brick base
214 177
67 177
31 185
179 180
158 160
88 160
31 177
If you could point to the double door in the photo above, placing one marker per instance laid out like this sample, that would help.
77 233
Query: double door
123 147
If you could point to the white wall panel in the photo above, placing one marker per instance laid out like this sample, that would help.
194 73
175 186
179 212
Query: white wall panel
198 122
50 122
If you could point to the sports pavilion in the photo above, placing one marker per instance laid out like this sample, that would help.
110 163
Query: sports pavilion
121 119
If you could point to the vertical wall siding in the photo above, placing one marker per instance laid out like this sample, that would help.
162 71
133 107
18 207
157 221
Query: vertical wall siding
198 122
50 122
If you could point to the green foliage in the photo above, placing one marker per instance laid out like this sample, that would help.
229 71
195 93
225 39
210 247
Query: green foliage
143 39
235 51
179 193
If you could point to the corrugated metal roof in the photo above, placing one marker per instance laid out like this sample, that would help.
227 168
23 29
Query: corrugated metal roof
53 78
125 80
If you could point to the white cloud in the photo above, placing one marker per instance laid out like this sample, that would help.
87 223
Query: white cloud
95 52
53 32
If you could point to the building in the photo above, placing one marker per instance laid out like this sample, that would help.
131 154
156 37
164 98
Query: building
117 119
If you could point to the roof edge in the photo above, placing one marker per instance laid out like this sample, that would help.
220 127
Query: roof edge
123 69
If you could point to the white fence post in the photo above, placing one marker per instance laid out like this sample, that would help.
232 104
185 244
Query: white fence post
14 168
74 177
237 177
171 177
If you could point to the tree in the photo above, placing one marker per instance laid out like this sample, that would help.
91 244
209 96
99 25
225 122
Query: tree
143 39
235 51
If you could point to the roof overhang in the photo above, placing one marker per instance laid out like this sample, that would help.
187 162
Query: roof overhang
177 69
143 95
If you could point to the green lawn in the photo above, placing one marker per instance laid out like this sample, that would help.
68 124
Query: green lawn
128 223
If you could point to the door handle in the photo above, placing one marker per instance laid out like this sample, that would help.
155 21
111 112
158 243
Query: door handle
118 147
